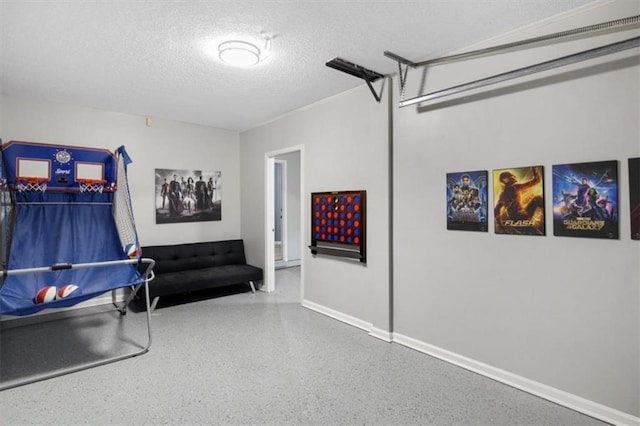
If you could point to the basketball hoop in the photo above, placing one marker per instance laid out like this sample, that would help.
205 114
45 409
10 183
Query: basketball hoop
91 185
32 184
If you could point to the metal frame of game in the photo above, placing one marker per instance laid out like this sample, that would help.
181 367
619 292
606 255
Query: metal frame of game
148 276
341 249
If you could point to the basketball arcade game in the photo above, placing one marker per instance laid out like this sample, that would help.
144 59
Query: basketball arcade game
68 233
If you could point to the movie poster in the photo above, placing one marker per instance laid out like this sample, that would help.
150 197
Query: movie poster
634 196
467 201
585 200
188 195
519 201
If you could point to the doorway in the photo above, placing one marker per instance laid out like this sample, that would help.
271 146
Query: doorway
280 211
283 212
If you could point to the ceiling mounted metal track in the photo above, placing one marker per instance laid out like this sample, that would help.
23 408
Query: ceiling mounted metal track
404 64
544 66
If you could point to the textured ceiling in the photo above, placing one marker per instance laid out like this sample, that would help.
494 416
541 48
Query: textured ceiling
150 57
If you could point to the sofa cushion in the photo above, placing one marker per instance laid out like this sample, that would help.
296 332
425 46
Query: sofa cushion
187 257
204 278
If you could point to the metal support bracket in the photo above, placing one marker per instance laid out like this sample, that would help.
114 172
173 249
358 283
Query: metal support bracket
357 71
403 68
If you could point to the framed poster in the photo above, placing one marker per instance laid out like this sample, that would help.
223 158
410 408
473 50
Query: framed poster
585 200
338 224
188 196
634 196
519 201
467 201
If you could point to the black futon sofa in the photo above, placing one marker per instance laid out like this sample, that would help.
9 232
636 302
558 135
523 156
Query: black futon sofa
182 268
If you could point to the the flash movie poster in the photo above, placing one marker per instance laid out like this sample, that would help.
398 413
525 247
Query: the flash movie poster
467 201
585 200
519 201
634 196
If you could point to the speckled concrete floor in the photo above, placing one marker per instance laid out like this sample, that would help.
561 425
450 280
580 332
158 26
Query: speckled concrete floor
253 359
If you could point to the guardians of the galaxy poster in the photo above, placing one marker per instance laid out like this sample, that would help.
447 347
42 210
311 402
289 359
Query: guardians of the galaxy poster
519 201
585 200
634 196
467 201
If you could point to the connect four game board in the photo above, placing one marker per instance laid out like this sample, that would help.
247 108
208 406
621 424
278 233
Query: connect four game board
338 222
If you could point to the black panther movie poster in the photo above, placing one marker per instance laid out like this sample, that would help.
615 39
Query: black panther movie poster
585 200
467 201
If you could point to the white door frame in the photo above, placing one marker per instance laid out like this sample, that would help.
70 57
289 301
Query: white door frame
269 240
283 205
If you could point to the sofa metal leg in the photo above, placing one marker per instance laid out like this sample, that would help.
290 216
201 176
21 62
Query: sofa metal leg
154 303
253 288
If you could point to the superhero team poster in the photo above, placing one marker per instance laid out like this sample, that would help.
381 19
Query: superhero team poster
518 195
634 196
188 196
467 201
585 200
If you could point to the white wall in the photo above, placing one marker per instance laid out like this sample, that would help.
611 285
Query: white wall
166 144
563 312
345 141
293 215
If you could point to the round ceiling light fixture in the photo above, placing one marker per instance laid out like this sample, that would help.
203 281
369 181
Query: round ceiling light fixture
239 53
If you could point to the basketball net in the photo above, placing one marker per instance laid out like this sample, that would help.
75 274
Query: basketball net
90 185
26 184
122 209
